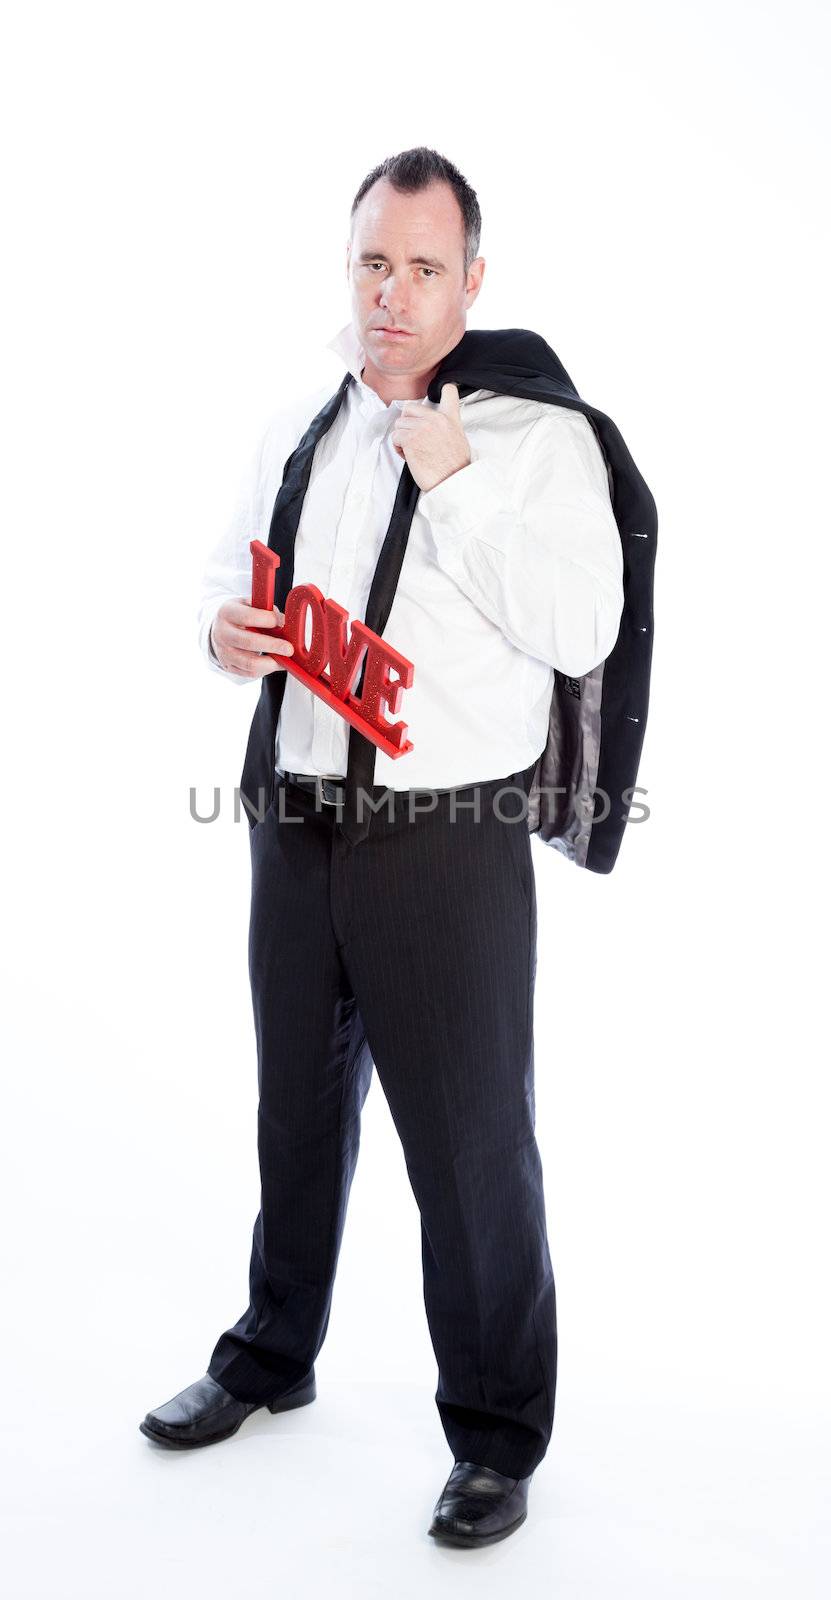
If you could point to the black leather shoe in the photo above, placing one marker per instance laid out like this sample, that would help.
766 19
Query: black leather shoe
478 1505
204 1413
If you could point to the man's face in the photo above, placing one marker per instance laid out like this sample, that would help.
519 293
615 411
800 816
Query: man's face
405 266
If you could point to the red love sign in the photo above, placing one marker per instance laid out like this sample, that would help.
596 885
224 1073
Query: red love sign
330 647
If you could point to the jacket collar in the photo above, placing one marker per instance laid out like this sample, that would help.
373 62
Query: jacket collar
502 360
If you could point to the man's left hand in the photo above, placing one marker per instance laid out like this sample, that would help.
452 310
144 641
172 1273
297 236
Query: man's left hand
431 439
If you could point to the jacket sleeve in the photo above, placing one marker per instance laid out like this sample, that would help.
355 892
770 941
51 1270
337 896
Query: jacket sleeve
535 545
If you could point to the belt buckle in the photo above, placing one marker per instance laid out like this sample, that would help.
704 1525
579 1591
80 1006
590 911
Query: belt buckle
320 797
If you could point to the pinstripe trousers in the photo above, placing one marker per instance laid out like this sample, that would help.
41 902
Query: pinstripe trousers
415 950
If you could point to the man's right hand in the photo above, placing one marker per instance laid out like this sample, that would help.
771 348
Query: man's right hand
240 652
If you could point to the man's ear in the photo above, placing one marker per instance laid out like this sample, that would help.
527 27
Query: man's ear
475 275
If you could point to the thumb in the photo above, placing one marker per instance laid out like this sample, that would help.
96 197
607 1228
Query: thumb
449 399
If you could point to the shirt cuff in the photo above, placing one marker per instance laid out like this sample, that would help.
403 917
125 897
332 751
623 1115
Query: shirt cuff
212 655
208 614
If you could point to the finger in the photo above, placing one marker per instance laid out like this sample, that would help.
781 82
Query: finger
241 611
242 639
246 665
237 662
449 400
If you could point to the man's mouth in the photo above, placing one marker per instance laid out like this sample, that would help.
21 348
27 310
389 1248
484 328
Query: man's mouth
393 333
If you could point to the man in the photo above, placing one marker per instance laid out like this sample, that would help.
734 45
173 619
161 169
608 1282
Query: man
412 947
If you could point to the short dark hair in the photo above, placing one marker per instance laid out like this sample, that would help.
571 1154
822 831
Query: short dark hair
414 169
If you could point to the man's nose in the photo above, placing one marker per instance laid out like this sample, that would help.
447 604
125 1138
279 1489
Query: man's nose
392 297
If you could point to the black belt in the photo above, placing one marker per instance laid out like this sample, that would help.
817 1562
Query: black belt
329 789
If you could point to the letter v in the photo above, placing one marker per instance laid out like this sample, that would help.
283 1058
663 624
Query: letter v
343 662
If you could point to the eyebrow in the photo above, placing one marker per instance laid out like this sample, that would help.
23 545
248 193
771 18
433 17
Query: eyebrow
414 261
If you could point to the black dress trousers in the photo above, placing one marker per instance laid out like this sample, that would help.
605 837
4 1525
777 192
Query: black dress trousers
414 949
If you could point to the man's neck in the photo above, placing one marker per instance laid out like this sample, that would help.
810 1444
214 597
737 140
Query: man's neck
403 388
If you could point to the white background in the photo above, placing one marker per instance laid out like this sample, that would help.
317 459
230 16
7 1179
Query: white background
177 188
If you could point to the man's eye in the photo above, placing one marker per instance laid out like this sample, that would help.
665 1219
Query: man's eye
430 270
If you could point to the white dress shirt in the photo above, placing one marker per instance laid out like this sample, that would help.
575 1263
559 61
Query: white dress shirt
514 566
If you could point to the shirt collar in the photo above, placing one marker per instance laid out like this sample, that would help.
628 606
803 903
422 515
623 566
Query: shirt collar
347 345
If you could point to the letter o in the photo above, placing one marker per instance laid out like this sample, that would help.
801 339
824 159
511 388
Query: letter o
298 601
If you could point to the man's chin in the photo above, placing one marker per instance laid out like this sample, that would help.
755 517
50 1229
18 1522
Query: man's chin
396 349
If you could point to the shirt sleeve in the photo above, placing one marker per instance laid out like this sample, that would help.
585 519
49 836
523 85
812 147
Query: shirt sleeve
535 545
227 571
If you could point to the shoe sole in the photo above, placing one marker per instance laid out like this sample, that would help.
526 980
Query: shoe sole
470 1541
284 1402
